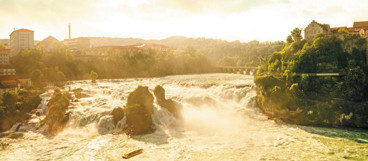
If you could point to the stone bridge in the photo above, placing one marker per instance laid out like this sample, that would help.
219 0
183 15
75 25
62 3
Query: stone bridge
237 69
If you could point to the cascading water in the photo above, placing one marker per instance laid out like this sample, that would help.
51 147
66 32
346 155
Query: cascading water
220 122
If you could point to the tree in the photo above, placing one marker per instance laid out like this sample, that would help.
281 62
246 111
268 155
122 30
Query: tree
61 76
342 31
37 77
93 76
228 61
9 98
289 39
296 33
354 83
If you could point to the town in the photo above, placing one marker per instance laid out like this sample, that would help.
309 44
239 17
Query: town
183 80
87 48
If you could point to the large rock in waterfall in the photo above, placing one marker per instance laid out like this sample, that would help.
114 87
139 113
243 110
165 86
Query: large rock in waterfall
56 115
117 114
169 104
139 111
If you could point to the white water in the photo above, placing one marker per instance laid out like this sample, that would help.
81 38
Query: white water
221 122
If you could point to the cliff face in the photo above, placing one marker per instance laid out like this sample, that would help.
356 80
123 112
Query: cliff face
298 111
274 110
56 116
16 106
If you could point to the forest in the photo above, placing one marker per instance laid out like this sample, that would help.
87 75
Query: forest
185 56
226 53
330 101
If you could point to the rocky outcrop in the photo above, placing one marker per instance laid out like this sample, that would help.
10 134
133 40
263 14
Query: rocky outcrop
79 93
23 103
117 114
169 104
56 115
139 111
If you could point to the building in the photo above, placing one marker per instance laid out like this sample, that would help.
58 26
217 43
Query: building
25 82
8 80
8 83
80 43
4 56
315 28
6 69
360 25
50 43
361 28
21 39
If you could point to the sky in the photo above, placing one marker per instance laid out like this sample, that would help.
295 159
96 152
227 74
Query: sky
243 20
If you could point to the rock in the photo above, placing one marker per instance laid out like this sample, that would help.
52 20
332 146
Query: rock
105 125
12 135
33 111
79 93
117 114
56 115
139 111
15 127
15 135
159 93
169 104
38 113
142 97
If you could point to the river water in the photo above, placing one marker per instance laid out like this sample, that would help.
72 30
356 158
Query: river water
220 122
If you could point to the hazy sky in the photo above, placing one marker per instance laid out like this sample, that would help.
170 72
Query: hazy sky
244 20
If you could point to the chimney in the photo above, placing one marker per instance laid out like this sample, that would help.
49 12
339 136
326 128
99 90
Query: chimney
69 32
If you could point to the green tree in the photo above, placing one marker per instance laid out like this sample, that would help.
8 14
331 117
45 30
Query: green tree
355 83
37 77
61 76
228 61
93 75
289 39
9 98
296 33
342 31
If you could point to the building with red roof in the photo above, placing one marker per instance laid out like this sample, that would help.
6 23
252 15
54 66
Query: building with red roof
8 80
315 28
361 28
21 39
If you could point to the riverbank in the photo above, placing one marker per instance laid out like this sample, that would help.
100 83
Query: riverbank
220 122
16 106
287 103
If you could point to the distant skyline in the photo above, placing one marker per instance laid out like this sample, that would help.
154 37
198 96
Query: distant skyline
244 20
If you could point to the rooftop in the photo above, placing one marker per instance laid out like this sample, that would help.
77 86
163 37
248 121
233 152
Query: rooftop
4 49
8 78
6 66
360 24
21 30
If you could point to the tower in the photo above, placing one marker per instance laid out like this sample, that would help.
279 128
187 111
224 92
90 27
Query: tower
69 32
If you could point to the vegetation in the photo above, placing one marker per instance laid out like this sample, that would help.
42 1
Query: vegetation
93 76
14 107
221 51
317 100
60 65
56 116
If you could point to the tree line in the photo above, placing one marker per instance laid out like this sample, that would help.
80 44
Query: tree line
322 100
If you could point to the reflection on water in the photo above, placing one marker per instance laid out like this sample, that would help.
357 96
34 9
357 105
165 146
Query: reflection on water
221 122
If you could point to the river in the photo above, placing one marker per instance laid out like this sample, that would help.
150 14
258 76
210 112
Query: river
220 122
